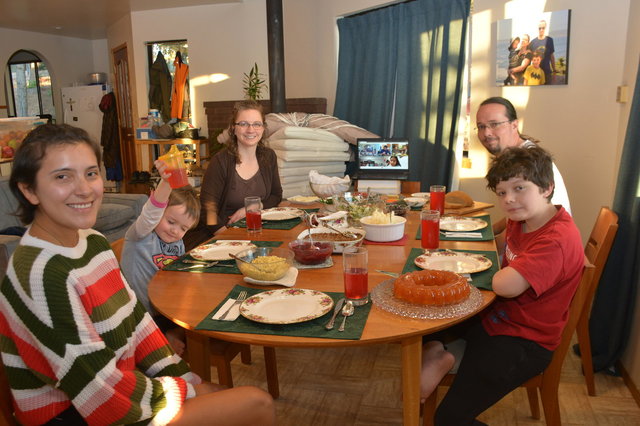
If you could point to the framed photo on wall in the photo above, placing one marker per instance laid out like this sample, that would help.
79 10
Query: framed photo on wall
533 50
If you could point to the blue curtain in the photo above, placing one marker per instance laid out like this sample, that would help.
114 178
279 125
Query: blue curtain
401 68
612 312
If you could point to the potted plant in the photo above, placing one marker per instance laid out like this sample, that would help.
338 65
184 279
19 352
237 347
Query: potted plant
254 83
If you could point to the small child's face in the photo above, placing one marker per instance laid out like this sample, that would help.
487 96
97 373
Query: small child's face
174 224
522 199
536 61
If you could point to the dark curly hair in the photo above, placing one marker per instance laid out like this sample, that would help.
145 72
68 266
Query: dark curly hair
532 164
29 155
245 105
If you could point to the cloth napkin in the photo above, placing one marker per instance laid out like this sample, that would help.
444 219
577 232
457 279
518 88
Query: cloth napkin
231 267
478 279
486 233
233 314
312 328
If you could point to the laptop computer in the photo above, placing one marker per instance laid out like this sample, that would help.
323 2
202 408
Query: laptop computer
382 158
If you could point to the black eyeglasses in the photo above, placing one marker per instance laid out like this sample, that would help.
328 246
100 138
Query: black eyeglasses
492 125
246 124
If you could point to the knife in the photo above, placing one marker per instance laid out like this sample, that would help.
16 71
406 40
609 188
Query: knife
336 310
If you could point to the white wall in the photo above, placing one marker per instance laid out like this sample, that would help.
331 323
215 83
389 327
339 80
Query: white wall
226 38
68 59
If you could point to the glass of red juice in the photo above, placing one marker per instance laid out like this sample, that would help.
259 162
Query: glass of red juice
356 275
436 197
253 210
430 229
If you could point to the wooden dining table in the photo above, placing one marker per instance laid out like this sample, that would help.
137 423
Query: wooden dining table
186 298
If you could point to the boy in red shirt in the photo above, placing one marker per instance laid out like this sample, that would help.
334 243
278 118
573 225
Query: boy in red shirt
514 339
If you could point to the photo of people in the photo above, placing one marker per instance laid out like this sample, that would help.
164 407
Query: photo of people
382 155
533 50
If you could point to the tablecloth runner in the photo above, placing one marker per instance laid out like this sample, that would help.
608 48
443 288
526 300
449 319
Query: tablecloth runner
232 269
313 328
487 232
479 279
273 224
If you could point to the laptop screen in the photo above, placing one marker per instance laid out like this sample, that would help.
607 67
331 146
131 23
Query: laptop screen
383 158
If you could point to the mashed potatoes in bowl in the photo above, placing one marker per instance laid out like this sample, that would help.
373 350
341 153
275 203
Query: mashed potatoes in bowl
266 263
383 227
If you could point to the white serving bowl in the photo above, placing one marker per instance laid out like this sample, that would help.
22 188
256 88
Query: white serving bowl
386 231
415 201
338 246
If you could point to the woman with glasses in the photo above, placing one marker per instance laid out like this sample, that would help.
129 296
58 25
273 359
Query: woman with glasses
245 167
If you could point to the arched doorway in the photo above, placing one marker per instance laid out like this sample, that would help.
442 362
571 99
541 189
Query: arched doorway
28 86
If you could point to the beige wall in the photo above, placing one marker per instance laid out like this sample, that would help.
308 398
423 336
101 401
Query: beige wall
68 59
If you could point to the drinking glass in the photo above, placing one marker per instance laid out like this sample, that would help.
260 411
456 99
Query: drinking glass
437 197
430 229
253 209
356 275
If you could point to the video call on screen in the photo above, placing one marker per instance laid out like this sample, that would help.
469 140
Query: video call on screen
383 155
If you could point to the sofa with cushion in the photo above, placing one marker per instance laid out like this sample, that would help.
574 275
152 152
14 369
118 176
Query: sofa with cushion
117 213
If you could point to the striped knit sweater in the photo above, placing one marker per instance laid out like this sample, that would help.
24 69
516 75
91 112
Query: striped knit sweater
73 332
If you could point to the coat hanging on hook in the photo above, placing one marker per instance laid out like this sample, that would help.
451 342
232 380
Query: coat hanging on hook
179 87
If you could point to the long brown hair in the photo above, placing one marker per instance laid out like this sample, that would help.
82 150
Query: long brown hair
245 105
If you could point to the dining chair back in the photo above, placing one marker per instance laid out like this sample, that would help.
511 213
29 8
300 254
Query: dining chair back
548 381
117 246
6 406
597 252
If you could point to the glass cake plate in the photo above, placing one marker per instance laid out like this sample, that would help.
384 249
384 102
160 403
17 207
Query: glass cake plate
382 296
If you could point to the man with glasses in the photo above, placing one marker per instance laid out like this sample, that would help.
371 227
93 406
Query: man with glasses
497 127
544 45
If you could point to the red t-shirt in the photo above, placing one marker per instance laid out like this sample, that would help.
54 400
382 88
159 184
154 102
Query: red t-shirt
551 259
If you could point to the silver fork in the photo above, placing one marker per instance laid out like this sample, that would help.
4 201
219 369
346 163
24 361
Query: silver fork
241 297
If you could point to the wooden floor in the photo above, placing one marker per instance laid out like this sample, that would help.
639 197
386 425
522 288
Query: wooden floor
361 386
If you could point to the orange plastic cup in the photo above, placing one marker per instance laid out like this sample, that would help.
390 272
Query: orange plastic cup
175 166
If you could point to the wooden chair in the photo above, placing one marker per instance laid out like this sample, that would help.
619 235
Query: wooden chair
597 252
409 186
547 382
116 246
6 407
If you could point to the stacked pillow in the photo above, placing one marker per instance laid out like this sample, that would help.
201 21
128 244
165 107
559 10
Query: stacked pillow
302 149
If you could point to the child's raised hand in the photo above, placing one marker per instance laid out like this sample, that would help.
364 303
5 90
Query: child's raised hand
161 166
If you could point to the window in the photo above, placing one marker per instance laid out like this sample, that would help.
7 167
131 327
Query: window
28 86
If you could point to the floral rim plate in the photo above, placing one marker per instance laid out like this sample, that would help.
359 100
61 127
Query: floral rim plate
455 261
461 224
304 199
220 249
286 306
415 201
281 213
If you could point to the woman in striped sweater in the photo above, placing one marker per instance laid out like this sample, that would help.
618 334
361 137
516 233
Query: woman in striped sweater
77 346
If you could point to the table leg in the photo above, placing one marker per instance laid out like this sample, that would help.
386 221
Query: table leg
199 354
411 365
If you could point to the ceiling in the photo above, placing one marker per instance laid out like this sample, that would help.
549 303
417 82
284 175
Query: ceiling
87 19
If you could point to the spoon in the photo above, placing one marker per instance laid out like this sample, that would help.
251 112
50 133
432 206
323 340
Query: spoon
347 311
248 263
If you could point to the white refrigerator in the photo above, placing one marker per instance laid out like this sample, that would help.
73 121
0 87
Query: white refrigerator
81 105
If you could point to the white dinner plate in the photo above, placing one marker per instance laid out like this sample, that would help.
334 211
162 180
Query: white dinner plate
286 306
454 261
415 201
461 224
425 195
220 249
304 199
281 213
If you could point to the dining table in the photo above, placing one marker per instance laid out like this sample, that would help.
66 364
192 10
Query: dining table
188 297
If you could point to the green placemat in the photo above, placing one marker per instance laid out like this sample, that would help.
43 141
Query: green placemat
231 267
487 233
479 279
313 328
274 224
